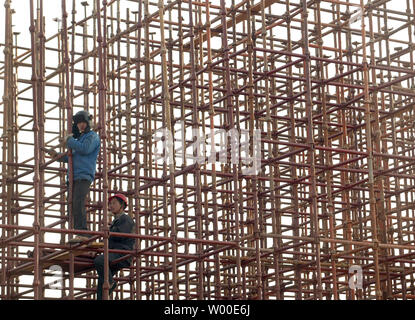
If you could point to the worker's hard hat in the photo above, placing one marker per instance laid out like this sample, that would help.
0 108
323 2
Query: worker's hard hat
119 196
82 116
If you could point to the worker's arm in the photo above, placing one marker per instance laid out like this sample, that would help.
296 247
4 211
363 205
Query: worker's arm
86 146
62 157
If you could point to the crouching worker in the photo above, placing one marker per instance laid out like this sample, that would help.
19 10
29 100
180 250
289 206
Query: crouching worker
122 223
85 145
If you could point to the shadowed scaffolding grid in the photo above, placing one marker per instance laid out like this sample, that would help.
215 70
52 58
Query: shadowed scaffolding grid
328 84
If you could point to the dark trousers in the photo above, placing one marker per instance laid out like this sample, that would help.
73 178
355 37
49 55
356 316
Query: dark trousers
113 269
79 192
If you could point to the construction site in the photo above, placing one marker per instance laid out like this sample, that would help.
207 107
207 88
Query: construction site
316 204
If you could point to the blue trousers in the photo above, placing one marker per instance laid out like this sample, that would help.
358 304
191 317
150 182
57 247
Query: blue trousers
113 269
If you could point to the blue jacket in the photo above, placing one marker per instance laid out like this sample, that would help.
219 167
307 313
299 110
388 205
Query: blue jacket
85 151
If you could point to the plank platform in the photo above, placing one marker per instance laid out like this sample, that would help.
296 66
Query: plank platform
83 259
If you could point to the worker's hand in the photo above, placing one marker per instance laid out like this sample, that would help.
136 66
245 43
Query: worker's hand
68 137
52 153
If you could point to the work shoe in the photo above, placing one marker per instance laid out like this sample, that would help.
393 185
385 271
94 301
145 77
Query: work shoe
112 288
78 239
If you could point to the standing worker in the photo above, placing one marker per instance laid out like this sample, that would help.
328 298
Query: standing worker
122 223
85 145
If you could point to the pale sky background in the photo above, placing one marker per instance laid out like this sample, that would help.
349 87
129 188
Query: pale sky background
21 22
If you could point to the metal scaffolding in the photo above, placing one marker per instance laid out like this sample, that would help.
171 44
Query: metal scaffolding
329 86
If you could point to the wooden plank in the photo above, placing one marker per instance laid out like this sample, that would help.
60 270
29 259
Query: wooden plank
61 257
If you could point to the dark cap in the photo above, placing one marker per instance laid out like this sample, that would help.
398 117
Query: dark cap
82 116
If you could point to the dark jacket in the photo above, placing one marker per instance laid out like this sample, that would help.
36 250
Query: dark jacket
123 224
